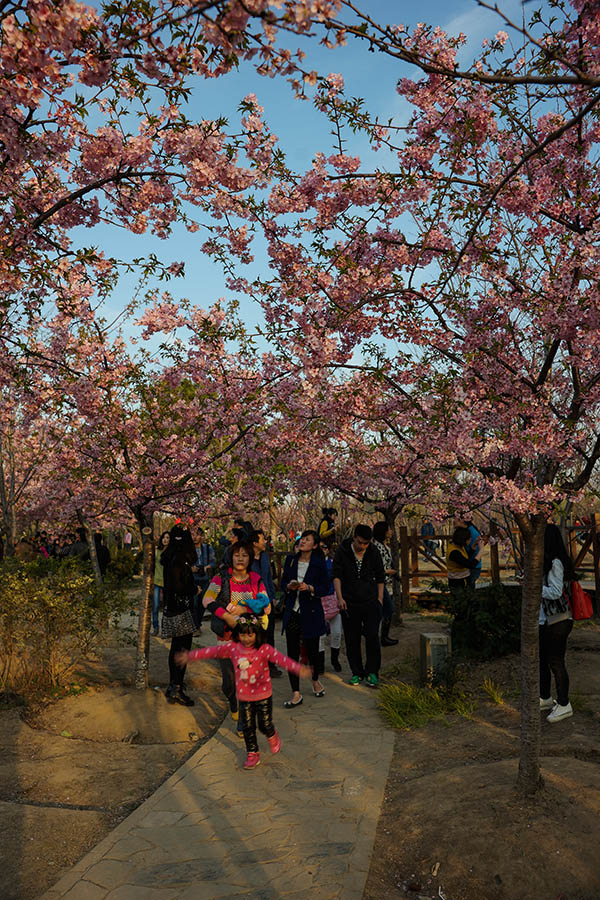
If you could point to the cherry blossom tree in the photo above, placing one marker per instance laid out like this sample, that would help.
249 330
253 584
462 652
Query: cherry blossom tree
142 434
463 278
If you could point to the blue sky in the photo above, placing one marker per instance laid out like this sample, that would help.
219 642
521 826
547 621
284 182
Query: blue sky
300 129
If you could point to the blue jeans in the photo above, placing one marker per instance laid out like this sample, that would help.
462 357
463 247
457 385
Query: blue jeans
388 605
473 576
156 601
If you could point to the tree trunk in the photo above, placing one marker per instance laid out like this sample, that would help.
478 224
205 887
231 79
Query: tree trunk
390 518
145 523
532 528
89 536
9 513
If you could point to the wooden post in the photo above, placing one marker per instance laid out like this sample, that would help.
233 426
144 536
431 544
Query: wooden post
404 567
596 551
414 557
494 560
572 532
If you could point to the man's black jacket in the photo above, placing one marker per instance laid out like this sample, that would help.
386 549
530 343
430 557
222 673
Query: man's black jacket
358 588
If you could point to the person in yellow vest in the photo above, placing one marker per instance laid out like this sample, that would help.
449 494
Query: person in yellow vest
458 561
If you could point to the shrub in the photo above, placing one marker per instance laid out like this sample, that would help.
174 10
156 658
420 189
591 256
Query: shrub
51 613
487 621
124 564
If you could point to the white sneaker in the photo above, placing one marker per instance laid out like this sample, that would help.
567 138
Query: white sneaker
560 712
548 703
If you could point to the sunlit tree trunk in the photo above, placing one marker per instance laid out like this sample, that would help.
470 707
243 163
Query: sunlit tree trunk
7 500
145 523
89 536
530 780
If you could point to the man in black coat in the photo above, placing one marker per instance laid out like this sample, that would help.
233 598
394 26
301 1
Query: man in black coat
358 578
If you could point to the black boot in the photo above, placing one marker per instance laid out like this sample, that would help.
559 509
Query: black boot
335 659
386 640
182 697
321 661
170 693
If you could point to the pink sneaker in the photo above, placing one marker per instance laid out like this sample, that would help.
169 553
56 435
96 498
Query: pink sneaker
252 760
275 743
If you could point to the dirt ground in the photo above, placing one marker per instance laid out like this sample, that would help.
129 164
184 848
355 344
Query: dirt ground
72 770
451 826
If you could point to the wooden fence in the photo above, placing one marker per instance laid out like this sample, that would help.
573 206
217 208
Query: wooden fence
583 542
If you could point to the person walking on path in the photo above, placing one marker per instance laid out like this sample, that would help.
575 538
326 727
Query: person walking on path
459 562
203 568
229 595
261 564
250 656
359 579
333 619
382 533
305 580
474 548
327 526
159 579
556 624
178 596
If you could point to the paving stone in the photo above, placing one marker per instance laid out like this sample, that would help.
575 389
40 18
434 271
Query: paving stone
160 817
108 873
217 891
180 873
85 890
127 847
132 892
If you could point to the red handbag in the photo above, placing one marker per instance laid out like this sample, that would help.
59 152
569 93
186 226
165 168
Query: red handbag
580 602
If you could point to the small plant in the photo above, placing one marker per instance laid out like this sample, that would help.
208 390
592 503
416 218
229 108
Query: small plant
493 691
408 706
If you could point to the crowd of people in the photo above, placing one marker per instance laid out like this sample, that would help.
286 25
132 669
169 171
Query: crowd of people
328 589
70 544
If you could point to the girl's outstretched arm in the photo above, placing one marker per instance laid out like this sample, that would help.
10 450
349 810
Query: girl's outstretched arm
286 662
219 651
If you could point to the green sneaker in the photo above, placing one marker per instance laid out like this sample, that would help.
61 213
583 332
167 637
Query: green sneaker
372 680
356 679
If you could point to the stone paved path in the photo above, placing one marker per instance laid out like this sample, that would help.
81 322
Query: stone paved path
301 825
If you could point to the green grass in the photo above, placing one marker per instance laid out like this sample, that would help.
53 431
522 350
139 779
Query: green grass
579 702
493 690
409 706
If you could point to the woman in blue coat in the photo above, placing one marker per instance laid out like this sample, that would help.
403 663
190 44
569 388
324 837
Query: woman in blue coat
305 580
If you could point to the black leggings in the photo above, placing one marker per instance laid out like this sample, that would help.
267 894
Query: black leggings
293 636
251 712
176 672
228 683
553 647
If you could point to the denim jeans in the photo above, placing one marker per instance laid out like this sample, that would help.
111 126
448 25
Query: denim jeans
388 605
156 601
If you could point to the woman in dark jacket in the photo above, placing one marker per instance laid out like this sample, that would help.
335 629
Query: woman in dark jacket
178 596
305 580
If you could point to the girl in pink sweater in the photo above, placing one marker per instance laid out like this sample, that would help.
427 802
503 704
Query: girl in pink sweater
250 657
